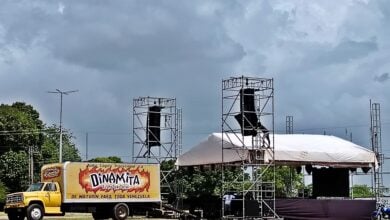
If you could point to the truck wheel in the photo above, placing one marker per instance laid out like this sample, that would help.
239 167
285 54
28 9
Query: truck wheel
15 216
120 211
34 212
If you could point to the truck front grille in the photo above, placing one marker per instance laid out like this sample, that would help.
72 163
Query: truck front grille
14 198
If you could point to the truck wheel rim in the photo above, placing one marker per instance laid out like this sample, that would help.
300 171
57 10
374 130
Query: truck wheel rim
122 212
36 213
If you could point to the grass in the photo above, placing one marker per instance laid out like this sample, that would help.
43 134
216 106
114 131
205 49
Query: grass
73 216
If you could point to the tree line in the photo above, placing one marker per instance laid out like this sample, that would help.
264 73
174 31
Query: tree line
23 135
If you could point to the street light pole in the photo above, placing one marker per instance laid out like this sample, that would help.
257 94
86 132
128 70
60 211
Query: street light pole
61 94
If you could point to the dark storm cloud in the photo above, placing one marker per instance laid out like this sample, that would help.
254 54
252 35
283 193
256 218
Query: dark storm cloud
158 49
382 78
345 51
323 59
127 35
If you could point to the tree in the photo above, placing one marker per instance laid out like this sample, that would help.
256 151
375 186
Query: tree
362 191
50 147
199 182
49 152
167 165
20 127
3 192
208 182
202 183
111 159
287 181
30 111
14 170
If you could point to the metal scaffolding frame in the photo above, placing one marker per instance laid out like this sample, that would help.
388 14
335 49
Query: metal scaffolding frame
289 125
376 144
290 130
169 139
254 188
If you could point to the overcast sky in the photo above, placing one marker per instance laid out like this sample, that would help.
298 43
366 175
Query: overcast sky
327 59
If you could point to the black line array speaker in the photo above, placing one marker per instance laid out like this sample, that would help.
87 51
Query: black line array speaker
153 129
247 118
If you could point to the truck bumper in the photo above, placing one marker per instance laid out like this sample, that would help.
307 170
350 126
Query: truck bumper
14 208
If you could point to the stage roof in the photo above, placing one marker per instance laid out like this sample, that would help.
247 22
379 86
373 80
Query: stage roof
290 149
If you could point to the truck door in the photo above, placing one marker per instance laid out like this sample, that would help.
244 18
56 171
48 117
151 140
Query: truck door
52 195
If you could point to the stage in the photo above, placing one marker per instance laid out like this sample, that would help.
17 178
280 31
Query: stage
319 209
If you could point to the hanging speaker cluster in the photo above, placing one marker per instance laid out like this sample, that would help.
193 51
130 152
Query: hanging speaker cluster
247 118
153 128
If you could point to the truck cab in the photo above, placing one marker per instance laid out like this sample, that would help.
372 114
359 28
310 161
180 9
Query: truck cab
42 198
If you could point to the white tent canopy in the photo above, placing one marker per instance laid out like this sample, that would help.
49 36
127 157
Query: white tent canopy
290 149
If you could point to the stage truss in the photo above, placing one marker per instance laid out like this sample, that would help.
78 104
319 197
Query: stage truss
376 144
167 147
256 179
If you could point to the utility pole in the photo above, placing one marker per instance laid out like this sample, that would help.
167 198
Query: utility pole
31 164
86 146
61 94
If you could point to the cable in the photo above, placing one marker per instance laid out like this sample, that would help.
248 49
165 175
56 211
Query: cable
20 132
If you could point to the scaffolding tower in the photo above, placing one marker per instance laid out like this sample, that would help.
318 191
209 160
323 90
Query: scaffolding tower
289 125
157 138
376 144
290 130
247 132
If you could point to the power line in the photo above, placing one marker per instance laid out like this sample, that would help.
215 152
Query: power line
34 131
333 127
340 127
103 132
22 132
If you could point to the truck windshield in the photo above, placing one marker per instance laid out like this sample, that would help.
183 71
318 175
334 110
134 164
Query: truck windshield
35 187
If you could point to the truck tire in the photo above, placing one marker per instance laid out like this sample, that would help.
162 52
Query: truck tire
120 211
34 212
15 216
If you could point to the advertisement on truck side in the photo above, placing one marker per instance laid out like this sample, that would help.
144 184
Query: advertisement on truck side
104 182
